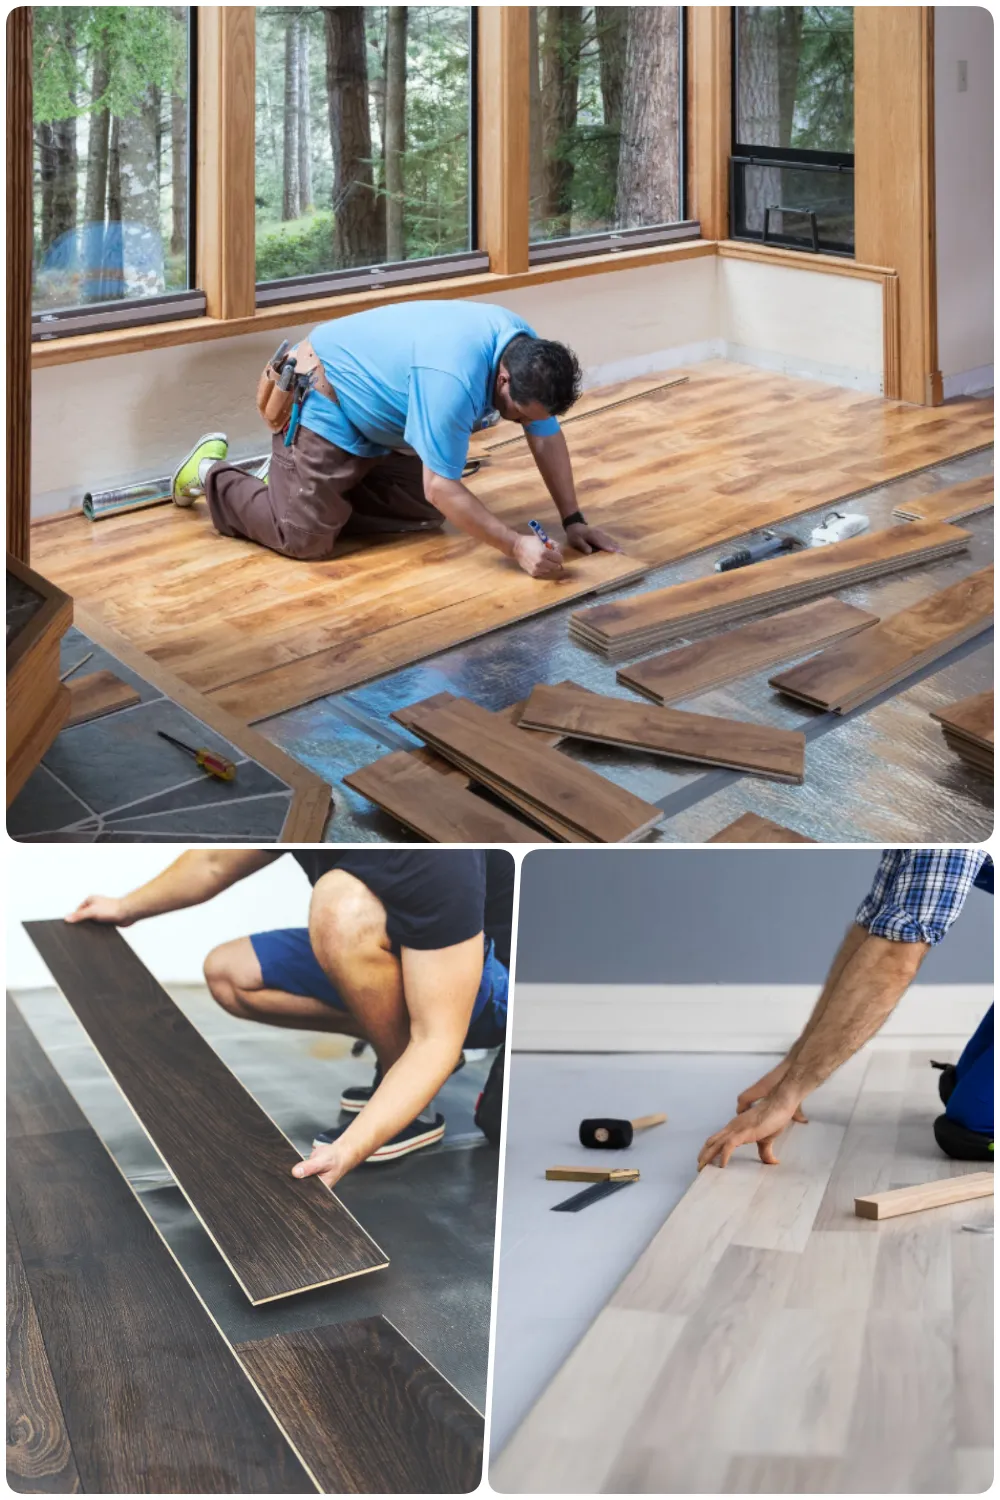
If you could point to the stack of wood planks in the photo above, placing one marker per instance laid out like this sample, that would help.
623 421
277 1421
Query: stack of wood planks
968 730
568 800
848 674
579 714
629 627
952 504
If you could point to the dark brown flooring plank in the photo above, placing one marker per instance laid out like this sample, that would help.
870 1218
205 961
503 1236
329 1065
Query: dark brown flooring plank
568 709
440 808
278 1234
751 828
970 719
39 1457
153 1399
38 1101
366 1411
688 670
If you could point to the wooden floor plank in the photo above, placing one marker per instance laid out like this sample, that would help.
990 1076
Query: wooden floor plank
848 674
440 808
365 1410
792 1348
730 450
751 828
688 670
567 709
97 694
627 627
971 719
952 504
153 1400
39 1456
279 1235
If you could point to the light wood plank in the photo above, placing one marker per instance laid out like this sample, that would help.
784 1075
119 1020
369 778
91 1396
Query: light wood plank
953 504
224 222
503 136
97 694
912 1200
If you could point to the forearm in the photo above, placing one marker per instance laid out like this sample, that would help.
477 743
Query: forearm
460 505
871 983
852 941
197 876
552 459
407 1088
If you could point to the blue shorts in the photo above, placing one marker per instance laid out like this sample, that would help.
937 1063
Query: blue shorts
287 962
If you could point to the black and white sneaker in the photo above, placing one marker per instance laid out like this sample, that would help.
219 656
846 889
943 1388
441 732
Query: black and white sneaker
412 1137
353 1100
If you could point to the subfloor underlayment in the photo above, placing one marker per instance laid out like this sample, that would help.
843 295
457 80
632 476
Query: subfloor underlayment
882 773
434 1213
558 1270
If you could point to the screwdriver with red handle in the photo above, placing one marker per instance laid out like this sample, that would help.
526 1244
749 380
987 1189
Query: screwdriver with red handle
212 763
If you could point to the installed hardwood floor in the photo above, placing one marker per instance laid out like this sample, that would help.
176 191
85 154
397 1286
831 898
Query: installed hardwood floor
366 1412
152 1399
232 1163
769 1340
730 450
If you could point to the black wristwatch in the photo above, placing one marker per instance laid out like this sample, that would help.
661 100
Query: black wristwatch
576 519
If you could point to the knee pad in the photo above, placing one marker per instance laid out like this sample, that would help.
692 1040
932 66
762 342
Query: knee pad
961 1143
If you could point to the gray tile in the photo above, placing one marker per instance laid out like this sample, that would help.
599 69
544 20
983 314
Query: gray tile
257 818
43 805
76 645
203 792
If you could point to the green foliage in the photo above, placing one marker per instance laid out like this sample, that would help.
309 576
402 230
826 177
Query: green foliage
824 96
146 46
300 248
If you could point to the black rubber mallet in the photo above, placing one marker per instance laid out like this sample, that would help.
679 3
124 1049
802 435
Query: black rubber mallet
615 1135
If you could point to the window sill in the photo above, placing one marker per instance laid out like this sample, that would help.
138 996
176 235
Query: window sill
800 260
293 314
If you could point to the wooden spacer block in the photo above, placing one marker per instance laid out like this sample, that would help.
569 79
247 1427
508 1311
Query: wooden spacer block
591 1174
911 1200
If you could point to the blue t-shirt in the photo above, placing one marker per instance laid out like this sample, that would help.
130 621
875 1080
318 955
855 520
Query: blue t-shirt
415 376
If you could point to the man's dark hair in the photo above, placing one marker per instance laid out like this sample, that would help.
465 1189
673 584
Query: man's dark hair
543 371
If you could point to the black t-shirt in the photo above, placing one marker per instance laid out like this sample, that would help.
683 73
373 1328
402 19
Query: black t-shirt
433 898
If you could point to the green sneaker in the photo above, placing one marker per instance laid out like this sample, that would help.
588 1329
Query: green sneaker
187 486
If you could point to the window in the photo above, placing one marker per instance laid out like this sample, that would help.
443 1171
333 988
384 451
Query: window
363 142
112 174
606 112
793 126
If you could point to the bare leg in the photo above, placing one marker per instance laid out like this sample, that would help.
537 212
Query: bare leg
233 976
347 928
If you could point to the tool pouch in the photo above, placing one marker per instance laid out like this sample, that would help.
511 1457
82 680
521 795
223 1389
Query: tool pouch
274 404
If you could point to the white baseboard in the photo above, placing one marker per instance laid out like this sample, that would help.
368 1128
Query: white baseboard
801 368
721 1018
655 363
968 382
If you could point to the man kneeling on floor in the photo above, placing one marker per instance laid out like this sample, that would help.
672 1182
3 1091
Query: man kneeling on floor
916 896
379 439
408 951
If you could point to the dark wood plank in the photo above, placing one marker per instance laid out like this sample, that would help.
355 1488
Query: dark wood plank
688 670
441 808
505 757
569 709
38 1101
751 828
850 673
97 694
39 1457
279 1235
366 1411
957 501
629 626
152 1398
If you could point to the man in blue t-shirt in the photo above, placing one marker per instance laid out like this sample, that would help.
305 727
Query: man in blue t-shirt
383 436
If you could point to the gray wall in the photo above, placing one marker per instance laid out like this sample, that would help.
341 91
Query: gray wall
711 916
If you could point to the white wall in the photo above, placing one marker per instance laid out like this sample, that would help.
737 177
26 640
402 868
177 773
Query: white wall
53 879
963 132
109 421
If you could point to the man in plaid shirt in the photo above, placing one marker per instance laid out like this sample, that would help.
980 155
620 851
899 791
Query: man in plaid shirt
916 896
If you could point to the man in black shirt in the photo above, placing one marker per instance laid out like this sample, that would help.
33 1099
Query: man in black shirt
408 950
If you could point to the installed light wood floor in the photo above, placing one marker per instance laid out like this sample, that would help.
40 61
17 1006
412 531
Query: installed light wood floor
769 1341
731 449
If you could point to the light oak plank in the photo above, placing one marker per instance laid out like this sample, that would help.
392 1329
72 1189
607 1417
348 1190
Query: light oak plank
953 504
97 694
923 1195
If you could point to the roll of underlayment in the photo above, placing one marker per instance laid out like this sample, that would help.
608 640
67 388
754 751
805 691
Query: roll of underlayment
98 505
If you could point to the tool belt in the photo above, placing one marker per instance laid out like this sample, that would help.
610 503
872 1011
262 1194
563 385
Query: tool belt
276 399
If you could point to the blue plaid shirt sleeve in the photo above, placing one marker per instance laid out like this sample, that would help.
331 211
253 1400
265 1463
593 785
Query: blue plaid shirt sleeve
918 893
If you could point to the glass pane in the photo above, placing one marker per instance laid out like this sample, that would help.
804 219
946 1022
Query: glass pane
795 77
601 77
111 153
796 200
362 135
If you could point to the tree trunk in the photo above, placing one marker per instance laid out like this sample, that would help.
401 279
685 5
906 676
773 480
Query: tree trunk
305 134
46 178
536 148
395 131
612 38
140 195
115 172
789 51
560 84
649 159
359 217
759 105
96 190
290 159
178 155
65 163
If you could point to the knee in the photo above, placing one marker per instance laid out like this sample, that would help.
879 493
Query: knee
305 546
220 972
345 919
